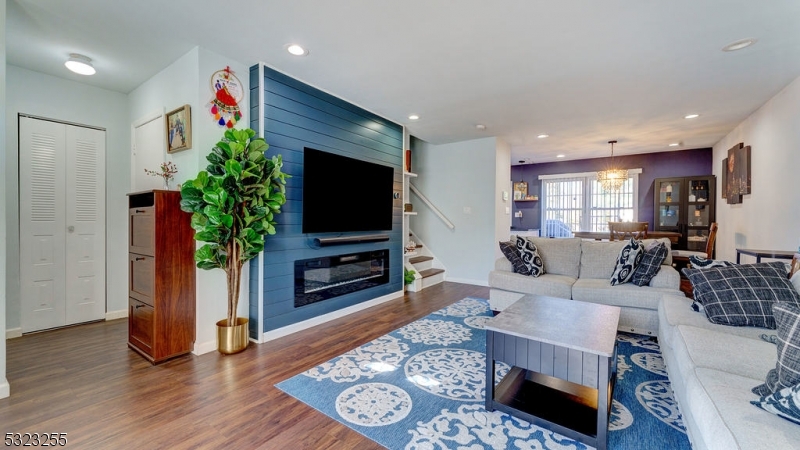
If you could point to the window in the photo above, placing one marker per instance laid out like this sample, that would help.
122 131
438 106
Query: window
576 202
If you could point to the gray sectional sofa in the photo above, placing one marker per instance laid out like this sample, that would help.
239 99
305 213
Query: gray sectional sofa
712 369
581 270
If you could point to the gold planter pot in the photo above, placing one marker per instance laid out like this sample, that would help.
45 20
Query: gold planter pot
233 339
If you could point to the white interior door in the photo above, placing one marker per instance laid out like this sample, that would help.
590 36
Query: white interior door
62 224
85 219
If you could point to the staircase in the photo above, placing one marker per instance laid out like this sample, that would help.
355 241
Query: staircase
429 271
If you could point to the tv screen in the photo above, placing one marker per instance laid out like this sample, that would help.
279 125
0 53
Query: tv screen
345 194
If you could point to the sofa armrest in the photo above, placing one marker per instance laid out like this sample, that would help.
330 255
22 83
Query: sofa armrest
503 264
667 278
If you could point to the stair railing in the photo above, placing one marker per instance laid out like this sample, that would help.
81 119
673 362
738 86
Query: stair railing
432 207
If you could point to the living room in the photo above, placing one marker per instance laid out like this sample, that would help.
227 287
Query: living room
464 176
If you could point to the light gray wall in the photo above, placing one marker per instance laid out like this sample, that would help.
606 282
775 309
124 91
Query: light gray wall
502 219
769 218
56 98
457 178
4 388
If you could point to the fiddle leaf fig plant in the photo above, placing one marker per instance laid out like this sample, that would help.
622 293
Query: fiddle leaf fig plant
233 204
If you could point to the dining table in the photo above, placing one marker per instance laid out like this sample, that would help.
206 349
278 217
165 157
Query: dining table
673 236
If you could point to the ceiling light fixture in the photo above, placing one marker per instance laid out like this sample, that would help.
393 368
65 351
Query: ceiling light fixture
480 126
561 156
413 117
674 144
296 50
691 116
612 179
738 45
80 64
542 136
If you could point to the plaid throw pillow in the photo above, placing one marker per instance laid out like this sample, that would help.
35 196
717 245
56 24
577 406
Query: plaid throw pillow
651 262
509 249
787 371
530 256
629 257
742 295
784 403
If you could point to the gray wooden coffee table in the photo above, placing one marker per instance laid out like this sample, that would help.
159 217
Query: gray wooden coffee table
563 355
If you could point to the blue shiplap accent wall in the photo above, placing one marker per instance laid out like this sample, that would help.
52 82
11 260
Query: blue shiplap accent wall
297 115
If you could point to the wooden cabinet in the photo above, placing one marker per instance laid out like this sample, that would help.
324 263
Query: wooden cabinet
161 276
686 205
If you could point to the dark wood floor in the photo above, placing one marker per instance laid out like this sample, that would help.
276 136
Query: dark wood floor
84 381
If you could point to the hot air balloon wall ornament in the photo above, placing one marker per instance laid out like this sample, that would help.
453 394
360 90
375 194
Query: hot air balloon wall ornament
228 92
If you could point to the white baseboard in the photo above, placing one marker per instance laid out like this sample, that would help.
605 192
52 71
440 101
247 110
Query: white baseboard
12 333
114 315
468 281
205 347
5 388
299 326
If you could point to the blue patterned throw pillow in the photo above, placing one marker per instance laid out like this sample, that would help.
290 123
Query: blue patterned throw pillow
530 256
787 370
698 262
629 257
654 255
509 250
784 403
742 295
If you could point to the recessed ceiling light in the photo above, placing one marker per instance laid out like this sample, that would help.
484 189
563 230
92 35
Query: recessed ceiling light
413 117
691 116
80 64
560 156
674 144
738 45
480 126
296 50
542 136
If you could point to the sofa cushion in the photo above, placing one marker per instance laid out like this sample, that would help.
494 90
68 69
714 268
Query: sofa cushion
700 347
742 295
629 257
530 256
787 370
650 264
511 253
785 403
561 256
547 284
599 258
599 291
666 278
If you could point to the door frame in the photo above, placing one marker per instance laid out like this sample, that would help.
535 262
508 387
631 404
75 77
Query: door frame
19 207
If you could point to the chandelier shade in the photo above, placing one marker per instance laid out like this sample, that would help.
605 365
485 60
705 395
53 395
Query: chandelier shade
612 178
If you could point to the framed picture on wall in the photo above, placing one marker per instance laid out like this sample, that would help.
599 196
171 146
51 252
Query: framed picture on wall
179 129
520 190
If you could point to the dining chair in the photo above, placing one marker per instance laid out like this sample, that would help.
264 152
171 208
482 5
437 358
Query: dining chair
683 255
621 231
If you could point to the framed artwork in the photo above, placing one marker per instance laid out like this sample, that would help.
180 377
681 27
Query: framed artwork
179 129
724 186
520 190
737 173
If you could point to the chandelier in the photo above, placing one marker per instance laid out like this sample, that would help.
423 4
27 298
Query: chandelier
612 179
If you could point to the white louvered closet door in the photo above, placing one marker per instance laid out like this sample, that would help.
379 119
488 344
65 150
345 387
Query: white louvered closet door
62 224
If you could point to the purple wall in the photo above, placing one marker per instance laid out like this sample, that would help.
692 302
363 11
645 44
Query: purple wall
684 163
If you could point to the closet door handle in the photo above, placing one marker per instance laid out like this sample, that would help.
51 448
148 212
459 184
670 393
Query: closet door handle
139 211
140 259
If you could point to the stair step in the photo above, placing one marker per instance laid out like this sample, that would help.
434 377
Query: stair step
430 272
419 259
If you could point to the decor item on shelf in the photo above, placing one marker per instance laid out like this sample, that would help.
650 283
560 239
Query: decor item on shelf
234 203
612 178
167 172
411 246
408 161
520 190
408 207
179 129
228 93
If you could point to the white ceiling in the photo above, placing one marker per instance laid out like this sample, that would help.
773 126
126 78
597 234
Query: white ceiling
583 72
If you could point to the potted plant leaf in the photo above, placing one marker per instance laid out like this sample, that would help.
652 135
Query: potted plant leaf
234 203
408 278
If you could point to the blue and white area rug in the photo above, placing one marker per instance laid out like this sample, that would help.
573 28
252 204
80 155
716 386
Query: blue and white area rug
422 387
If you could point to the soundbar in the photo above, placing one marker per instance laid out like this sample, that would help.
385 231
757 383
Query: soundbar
341 240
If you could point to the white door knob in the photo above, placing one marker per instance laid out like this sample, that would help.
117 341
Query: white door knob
71 229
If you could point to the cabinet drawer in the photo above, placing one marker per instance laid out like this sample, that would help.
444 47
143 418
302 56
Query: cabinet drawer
142 276
140 325
141 224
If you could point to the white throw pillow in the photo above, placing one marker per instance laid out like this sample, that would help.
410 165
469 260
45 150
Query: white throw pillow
629 257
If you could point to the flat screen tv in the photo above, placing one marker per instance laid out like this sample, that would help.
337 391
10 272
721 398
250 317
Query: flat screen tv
342 194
